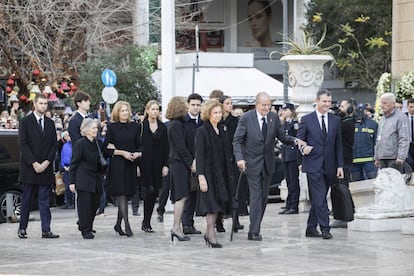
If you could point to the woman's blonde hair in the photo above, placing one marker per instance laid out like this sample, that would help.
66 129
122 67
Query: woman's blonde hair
87 124
148 106
117 108
207 107
177 108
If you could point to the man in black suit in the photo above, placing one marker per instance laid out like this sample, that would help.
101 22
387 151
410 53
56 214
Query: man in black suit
192 122
253 145
346 113
38 143
82 102
322 160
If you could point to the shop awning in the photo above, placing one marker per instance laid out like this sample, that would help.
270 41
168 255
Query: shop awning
242 84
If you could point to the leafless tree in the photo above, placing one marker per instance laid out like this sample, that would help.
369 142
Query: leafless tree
55 35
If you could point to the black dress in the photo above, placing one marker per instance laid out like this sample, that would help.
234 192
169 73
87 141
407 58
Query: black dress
231 124
155 154
214 161
122 173
180 160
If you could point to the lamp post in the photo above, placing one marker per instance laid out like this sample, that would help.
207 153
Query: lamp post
285 49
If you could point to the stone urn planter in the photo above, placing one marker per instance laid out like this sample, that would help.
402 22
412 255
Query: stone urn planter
306 75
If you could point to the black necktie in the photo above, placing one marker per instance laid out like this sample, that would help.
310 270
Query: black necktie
323 127
412 128
40 124
264 128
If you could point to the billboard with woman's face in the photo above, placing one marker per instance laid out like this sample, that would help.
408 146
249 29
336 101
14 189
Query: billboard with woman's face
260 27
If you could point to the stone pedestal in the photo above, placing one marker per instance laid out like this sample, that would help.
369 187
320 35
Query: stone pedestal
304 203
407 227
378 225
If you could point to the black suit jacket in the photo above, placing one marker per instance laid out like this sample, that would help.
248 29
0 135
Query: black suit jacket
326 155
74 126
36 145
84 166
249 145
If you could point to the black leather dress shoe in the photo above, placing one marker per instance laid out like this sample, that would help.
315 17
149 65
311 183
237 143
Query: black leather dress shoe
254 237
326 235
88 235
313 233
291 212
190 230
21 233
49 235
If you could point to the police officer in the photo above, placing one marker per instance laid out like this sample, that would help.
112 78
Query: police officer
291 160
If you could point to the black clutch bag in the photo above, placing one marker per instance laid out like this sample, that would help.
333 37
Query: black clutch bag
194 184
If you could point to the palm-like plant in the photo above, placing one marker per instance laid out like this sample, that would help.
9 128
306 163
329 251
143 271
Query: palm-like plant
307 46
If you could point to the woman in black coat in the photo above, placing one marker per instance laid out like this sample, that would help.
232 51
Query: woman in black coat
214 162
154 160
85 175
123 145
231 122
180 162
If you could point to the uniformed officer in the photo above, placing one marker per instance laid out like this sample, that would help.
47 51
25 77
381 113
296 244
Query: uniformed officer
291 160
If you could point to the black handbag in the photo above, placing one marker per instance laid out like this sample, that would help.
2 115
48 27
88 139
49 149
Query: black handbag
103 163
343 207
194 184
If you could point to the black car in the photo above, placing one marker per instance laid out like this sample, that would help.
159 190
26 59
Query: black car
10 188
277 178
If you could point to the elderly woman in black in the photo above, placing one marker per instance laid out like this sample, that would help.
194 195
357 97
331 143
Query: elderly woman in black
85 175
214 168
180 162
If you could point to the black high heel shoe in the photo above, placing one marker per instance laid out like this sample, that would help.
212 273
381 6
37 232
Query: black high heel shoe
128 231
211 244
180 238
118 230
147 229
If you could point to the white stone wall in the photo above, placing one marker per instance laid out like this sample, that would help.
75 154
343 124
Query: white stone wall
402 38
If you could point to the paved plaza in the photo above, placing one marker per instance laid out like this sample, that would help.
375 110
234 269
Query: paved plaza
284 250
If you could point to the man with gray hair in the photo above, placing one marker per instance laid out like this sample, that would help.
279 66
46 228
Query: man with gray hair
253 145
393 141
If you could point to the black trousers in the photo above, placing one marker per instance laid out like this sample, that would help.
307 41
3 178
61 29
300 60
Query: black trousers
88 204
43 203
292 180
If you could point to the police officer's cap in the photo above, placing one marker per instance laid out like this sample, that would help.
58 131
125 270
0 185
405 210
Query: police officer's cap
289 106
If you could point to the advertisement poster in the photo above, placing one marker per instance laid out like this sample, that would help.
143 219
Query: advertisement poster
260 27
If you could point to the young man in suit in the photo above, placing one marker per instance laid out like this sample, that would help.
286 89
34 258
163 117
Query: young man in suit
253 145
82 102
192 122
322 160
38 143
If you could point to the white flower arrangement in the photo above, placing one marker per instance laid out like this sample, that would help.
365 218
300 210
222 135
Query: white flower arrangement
384 86
405 87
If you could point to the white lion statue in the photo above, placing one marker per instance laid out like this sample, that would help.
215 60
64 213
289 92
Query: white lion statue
393 198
